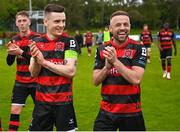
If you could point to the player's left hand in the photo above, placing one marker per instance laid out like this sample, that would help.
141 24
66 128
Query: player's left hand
110 54
13 49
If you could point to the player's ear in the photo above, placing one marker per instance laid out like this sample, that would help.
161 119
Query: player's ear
110 28
45 21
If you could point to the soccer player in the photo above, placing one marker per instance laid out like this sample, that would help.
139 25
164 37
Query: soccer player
99 38
53 62
166 40
0 125
79 38
119 66
88 38
146 40
106 34
24 84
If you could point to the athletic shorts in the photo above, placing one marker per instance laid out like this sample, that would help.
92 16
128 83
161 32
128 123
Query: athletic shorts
21 91
147 45
166 53
45 116
89 45
108 122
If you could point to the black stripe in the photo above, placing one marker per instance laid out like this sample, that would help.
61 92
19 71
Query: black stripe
13 127
22 61
121 99
126 61
28 85
53 54
46 72
115 80
54 103
54 89
23 74
121 114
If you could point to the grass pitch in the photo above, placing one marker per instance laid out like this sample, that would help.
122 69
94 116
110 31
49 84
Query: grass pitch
160 97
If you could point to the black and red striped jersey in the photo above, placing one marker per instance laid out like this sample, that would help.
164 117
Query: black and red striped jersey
53 88
166 38
88 37
146 37
22 74
118 95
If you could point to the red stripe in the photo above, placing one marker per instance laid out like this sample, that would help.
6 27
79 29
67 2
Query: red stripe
54 97
22 68
25 79
166 43
114 72
120 89
120 108
46 46
14 123
147 42
51 81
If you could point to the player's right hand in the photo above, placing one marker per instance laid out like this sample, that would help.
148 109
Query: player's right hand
33 48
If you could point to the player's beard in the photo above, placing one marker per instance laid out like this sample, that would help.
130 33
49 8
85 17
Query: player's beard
121 37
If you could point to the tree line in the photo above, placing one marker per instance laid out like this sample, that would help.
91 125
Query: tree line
83 14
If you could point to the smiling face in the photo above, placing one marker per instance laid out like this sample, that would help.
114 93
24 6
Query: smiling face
120 28
55 23
23 23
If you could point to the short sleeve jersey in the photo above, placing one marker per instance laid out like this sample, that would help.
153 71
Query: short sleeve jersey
146 37
23 75
118 95
53 88
166 38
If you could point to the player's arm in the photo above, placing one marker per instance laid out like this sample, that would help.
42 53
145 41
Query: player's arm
158 43
101 68
174 45
140 38
151 37
10 59
11 53
175 49
68 69
133 75
34 67
100 74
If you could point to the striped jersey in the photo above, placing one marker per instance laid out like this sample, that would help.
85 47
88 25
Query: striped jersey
22 74
118 95
88 37
146 37
53 88
166 38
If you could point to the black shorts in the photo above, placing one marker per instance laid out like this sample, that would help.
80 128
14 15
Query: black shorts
89 45
147 45
106 122
46 116
21 91
166 53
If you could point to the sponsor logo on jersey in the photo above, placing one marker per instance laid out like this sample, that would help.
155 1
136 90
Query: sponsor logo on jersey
59 46
128 53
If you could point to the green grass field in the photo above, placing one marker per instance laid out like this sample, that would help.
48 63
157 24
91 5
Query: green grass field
160 97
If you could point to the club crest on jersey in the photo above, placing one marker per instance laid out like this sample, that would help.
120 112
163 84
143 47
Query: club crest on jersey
128 53
59 46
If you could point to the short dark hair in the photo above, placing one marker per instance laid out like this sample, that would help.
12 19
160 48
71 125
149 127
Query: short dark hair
53 8
22 13
117 13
